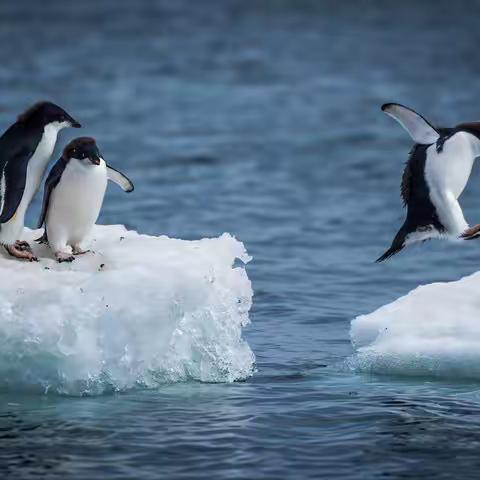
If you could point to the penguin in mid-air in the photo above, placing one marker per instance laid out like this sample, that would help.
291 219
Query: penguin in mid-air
73 196
25 150
435 175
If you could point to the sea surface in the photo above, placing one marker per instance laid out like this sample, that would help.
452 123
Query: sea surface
262 119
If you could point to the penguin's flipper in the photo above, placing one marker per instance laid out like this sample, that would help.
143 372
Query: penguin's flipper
120 179
50 183
418 127
13 179
397 245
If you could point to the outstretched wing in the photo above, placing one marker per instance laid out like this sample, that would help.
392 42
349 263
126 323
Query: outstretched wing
419 128
120 179
50 183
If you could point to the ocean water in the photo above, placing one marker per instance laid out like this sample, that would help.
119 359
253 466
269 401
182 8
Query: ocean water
261 119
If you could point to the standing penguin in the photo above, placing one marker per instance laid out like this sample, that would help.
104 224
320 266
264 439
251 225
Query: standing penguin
435 175
25 150
73 197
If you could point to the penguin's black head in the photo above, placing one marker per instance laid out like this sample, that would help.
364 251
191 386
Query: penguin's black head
45 113
83 149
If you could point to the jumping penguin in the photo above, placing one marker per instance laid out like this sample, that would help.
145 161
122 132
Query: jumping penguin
73 197
435 175
25 150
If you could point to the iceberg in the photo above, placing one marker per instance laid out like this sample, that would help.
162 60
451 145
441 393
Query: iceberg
434 331
135 312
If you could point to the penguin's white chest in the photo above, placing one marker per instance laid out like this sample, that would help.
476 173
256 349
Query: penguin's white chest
37 165
75 203
450 169
446 174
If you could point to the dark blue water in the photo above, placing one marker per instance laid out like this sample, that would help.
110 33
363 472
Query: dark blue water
261 119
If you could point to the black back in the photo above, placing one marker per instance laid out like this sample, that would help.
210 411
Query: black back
17 146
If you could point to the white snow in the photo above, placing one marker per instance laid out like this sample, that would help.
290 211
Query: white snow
434 331
137 311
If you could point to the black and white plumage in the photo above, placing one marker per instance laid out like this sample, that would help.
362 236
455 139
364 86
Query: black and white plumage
435 175
25 150
73 196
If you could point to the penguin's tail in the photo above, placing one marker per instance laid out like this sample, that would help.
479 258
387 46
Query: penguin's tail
397 245
43 239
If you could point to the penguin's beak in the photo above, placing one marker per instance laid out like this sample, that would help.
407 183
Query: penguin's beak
73 122
95 159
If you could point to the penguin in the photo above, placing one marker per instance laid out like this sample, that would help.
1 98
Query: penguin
73 196
25 150
436 172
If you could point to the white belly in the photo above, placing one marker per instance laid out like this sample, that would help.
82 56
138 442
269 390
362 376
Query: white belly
447 174
12 230
450 169
75 204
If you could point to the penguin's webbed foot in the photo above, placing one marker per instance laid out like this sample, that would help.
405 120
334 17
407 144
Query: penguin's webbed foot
21 252
471 233
23 246
64 257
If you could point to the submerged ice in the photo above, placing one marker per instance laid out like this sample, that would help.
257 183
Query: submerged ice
433 331
136 311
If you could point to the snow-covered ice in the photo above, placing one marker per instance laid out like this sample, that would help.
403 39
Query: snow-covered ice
137 311
433 331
